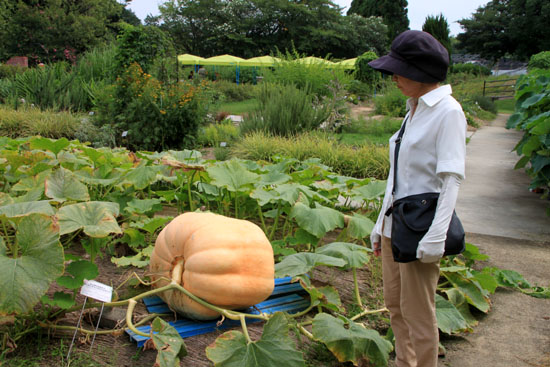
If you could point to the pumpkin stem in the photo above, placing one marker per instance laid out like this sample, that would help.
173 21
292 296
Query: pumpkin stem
131 305
356 286
177 270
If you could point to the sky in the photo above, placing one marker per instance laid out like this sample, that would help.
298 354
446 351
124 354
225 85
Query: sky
418 10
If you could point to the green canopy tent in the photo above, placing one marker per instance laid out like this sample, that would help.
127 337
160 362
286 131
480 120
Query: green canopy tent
225 60
260 61
347 64
312 60
188 59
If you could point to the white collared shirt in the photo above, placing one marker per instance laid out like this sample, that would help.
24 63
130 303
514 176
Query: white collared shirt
434 143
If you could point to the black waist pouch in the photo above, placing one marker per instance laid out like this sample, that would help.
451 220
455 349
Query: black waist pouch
412 216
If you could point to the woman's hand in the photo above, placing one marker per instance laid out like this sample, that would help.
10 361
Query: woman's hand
377 249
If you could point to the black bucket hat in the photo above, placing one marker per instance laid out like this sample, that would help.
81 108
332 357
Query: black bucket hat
415 55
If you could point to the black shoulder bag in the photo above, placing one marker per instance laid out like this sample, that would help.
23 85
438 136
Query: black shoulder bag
413 215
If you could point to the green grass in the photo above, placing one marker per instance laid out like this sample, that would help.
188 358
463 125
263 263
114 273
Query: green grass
240 107
505 105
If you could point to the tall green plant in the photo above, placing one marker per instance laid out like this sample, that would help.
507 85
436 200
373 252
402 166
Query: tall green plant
315 76
532 116
286 110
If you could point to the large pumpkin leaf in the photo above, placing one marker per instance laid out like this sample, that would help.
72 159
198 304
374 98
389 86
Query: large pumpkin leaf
372 190
54 146
274 349
350 341
232 175
326 296
61 185
449 319
24 279
460 303
304 262
26 208
359 226
317 221
473 293
142 176
169 344
354 255
96 218
32 182
144 206
77 271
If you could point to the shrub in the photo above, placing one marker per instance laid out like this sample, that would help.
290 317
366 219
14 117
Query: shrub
285 110
152 115
540 60
391 102
235 92
363 72
473 69
213 134
364 161
485 103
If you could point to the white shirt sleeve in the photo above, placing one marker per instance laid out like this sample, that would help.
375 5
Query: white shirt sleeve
451 145
432 245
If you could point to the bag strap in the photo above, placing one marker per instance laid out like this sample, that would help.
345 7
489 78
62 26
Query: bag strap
396 154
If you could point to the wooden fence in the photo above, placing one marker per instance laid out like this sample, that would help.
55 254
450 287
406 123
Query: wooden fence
499 89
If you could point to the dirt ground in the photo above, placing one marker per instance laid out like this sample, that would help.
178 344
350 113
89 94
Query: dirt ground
516 332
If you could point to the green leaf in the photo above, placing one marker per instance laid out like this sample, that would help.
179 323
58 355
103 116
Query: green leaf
372 190
326 296
471 291
143 206
449 319
485 280
354 255
54 146
461 304
27 208
304 262
60 299
232 175
350 341
514 120
472 252
142 176
139 260
512 279
274 349
169 344
24 279
534 99
95 218
317 221
150 225
359 226
78 271
61 185
542 128
32 182
273 178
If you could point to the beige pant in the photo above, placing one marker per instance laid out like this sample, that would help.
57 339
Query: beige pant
409 294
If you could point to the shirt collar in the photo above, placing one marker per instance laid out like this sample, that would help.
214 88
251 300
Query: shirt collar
432 97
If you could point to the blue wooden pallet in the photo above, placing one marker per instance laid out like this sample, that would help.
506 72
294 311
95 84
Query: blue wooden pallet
286 297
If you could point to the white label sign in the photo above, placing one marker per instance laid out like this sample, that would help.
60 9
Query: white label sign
96 290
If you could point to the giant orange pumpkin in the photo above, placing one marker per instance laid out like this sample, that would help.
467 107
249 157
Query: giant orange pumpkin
225 261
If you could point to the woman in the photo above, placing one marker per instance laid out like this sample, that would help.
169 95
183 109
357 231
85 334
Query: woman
431 159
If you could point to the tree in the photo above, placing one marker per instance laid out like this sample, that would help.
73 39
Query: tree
394 13
52 30
438 27
248 28
507 27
